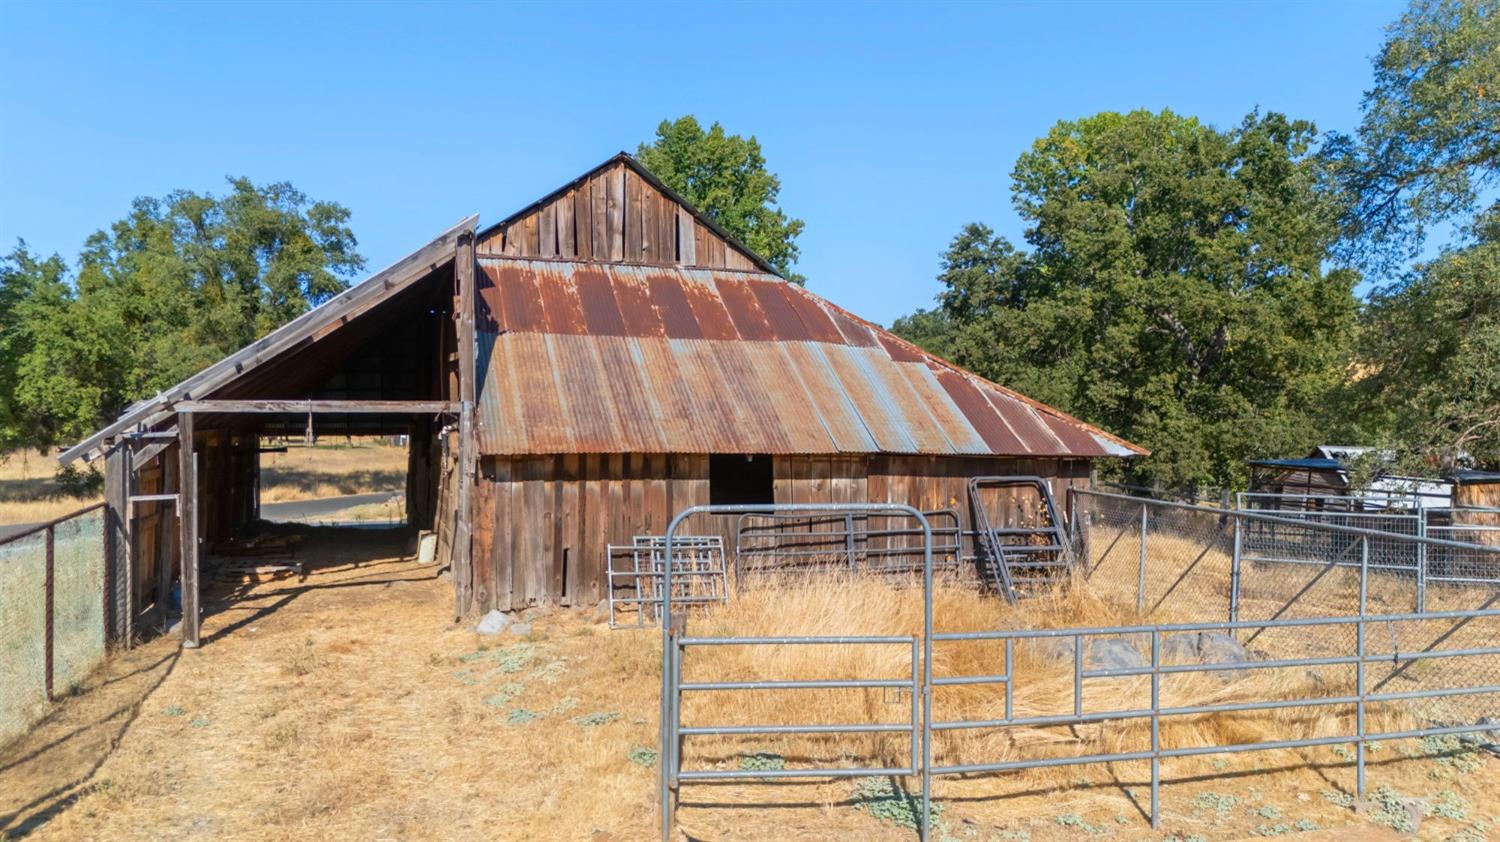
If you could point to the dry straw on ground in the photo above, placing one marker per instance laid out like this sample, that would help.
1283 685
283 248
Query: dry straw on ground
29 491
349 706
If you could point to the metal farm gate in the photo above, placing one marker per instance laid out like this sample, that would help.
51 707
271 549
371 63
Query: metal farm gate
1365 643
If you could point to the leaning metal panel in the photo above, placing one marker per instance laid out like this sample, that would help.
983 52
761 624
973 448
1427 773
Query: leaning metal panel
635 576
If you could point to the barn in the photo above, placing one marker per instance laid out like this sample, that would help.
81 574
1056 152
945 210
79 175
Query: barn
569 378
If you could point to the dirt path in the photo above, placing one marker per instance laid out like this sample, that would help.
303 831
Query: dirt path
347 705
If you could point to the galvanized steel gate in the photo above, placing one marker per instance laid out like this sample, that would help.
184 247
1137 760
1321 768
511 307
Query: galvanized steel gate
673 645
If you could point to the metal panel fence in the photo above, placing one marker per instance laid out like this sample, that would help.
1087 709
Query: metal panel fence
781 542
52 632
1319 607
1179 562
908 684
1375 661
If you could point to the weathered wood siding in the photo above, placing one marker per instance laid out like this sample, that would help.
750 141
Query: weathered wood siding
613 215
542 523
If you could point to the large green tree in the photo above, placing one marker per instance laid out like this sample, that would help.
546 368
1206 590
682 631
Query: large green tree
1427 151
177 284
1174 290
1430 358
1428 144
33 296
725 177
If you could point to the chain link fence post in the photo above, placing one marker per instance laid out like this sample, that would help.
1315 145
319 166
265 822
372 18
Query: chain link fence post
1140 588
1364 574
1234 572
1421 562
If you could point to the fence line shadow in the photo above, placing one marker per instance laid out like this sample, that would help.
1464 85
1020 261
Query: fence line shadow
27 817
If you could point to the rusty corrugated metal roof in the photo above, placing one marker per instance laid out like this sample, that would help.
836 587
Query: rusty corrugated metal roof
606 358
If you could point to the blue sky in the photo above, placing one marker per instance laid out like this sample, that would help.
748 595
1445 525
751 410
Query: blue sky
890 125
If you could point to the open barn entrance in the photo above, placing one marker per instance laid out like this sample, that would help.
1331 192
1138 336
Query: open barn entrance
277 461
358 482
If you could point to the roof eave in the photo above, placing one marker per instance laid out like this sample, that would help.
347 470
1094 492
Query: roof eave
370 291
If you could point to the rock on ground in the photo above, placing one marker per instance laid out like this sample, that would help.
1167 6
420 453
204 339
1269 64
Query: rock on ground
1113 654
1179 649
493 623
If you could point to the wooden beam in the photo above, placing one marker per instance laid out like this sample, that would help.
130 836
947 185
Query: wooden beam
143 456
468 358
187 520
320 407
347 304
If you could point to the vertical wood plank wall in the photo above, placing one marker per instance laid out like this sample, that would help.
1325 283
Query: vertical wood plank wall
614 214
542 523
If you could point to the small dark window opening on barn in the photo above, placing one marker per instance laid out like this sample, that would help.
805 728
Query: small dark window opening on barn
739 479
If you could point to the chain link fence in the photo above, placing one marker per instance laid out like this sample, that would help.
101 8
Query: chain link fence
1186 563
52 618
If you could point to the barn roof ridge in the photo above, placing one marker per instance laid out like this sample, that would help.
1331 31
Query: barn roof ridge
623 157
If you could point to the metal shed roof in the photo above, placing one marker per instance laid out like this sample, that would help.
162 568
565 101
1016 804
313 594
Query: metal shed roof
583 357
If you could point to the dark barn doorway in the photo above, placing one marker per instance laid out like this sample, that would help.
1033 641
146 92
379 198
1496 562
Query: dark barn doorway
740 479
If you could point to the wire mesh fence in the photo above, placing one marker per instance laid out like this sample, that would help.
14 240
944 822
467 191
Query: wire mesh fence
23 633
52 622
1184 563
77 603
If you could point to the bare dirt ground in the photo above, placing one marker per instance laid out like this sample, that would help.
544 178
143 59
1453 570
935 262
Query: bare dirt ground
348 705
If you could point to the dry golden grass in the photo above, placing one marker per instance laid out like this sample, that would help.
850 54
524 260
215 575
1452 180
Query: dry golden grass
29 492
349 706
332 470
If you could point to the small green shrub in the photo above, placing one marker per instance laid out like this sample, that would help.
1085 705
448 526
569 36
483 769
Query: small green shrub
1390 810
521 716
1217 802
594 720
1449 805
762 761
515 658
505 694
1076 821
883 800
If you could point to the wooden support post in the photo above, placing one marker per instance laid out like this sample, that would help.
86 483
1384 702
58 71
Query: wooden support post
468 353
187 519
118 604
